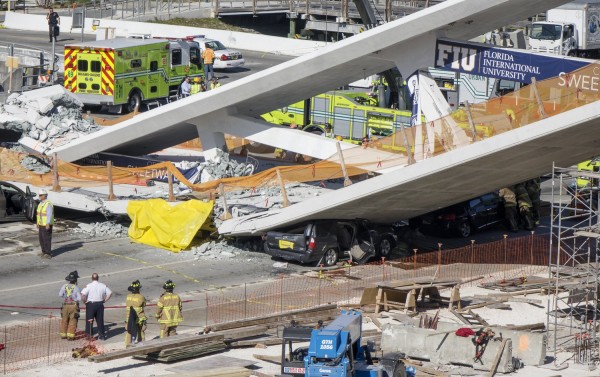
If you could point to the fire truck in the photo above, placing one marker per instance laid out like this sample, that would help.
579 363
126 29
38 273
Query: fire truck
125 73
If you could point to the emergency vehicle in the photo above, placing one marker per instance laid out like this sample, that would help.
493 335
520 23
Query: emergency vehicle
352 115
129 72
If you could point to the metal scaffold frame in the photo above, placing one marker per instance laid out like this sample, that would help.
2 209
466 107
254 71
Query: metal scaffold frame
573 265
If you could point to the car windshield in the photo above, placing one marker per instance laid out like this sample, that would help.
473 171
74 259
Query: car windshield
215 45
545 32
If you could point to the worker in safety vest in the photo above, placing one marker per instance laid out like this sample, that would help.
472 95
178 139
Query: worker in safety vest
214 83
208 57
510 208
168 310
135 319
69 312
534 190
197 86
45 221
525 205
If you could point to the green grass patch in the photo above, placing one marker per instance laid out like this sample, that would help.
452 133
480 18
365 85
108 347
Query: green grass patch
208 23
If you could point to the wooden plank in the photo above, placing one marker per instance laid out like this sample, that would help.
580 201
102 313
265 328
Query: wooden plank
243 332
268 358
253 342
295 314
497 358
156 345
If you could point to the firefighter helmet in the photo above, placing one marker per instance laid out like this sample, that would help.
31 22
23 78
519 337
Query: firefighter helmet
72 276
169 285
135 286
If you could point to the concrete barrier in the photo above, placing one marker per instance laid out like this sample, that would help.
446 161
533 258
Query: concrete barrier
443 348
233 39
528 346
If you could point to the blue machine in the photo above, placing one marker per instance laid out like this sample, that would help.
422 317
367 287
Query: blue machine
335 351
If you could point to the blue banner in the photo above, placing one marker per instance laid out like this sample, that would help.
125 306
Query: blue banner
502 63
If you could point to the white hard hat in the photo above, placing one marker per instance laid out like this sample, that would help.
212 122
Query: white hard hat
42 192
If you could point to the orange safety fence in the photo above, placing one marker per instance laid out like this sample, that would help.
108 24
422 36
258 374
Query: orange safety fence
37 342
461 128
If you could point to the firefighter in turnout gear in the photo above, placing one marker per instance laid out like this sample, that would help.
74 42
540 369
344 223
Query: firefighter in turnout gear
525 205
135 320
510 208
69 312
168 311
534 189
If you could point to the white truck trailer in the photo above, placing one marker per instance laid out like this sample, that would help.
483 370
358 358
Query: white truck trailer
572 29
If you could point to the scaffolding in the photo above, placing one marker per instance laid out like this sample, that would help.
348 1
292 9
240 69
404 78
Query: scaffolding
573 264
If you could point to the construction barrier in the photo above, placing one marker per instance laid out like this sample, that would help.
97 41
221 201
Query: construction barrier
37 342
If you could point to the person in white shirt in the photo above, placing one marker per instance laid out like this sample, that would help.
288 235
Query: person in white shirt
95 294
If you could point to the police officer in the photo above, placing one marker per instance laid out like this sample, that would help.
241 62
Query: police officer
510 208
168 310
69 312
45 222
53 22
135 319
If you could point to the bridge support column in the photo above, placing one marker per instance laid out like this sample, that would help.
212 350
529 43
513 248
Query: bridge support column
211 142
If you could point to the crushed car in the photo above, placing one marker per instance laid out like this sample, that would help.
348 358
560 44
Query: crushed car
325 242
16 204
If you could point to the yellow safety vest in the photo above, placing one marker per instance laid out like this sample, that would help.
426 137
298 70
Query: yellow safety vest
196 88
42 218
214 85
168 309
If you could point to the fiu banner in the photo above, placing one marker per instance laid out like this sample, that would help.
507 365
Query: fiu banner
502 63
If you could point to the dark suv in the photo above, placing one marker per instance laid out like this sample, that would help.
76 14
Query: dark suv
474 214
327 241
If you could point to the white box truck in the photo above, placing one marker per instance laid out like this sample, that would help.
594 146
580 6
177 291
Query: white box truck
572 29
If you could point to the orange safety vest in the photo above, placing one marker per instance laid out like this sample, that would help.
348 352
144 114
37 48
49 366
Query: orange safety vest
42 218
208 55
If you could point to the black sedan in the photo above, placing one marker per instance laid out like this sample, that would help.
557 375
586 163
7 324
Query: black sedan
472 215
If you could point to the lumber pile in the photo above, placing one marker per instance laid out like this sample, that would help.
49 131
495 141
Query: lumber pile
184 352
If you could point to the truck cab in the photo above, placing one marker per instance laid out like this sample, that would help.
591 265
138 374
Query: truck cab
554 38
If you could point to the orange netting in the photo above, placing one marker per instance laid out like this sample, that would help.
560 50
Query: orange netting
461 128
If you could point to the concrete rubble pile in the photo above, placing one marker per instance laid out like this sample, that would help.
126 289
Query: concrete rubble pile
246 202
220 167
108 229
47 118
226 249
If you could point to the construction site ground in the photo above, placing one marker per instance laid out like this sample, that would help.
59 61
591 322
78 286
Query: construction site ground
519 314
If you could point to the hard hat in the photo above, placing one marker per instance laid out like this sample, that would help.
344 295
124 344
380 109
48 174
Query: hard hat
72 276
169 285
196 79
42 192
135 286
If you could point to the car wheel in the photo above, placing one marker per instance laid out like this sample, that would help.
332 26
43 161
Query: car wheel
386 245
330 258
464 229
135 102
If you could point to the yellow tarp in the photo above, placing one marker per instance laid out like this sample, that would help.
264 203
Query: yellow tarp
156 223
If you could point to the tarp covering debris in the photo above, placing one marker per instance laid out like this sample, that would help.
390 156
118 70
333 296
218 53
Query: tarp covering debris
156 223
